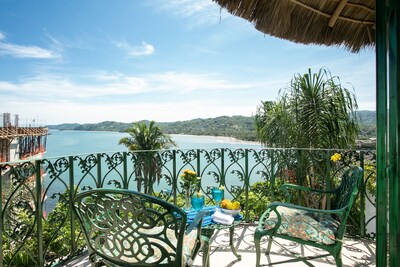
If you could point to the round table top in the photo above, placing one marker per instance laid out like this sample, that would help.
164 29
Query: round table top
208 223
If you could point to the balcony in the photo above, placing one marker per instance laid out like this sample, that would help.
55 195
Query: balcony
355 252
39 228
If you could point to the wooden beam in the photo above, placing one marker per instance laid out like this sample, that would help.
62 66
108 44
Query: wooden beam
337 12
365 22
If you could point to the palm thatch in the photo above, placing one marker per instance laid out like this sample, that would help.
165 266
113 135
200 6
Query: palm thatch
347 23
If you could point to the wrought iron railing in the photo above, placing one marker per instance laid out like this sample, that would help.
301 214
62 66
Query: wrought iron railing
38 227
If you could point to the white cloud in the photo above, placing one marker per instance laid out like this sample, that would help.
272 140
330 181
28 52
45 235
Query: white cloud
186 8
101 84
60 111
197 12
144 49
187 82
22 51
7 86
116 96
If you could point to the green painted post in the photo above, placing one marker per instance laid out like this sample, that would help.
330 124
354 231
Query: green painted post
246 183
175 177
125 169
272 175
394 126
99 183
39 212
381 142
222 180
198 165
299 167
362 199
328 178
151 174
71 196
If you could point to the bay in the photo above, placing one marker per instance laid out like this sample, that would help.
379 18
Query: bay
65 143
68 143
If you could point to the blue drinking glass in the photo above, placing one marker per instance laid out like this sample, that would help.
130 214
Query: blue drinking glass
217 195
197 202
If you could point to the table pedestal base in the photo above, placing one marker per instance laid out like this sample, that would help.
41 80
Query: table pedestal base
206 235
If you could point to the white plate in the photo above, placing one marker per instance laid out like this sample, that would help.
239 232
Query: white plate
231 212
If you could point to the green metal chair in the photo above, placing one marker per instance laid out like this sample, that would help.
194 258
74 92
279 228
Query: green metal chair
127 228
321 228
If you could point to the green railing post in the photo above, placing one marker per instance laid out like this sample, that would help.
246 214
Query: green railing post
174 177
71 196
99 183
198 164
381 137
125 170
246 183
272 175
222 180
362 198
151 173
328 178
299 167
39 211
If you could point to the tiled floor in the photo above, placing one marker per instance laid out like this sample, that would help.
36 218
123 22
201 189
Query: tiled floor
354 253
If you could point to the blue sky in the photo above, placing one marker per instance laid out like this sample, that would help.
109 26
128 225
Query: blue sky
95 60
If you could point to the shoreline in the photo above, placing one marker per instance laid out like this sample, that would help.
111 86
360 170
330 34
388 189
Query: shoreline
229 139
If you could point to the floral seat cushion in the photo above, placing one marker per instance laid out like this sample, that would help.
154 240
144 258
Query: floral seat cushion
308 226
146 245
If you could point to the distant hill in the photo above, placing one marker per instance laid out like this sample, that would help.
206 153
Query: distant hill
239 127
367 124
64 126
368 117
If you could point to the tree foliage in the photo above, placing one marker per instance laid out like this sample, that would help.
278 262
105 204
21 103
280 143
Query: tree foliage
147 164
315 111
146 138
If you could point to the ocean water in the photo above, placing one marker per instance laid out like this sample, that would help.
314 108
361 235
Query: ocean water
65 143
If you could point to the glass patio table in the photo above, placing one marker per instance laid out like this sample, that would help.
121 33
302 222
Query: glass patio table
208 229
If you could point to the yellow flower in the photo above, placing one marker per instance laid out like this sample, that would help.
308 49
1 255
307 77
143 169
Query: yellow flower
199 194
221 187
335 157
190 180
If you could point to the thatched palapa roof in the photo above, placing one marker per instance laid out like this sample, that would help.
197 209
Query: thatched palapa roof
348 23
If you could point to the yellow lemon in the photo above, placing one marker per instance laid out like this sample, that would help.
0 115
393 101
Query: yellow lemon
236 205
230 206
224 203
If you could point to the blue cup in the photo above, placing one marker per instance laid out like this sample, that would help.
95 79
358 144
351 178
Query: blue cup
197 202
217 194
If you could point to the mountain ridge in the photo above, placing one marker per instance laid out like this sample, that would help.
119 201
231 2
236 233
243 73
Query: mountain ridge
240 127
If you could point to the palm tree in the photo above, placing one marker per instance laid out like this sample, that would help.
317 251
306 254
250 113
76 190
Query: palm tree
147 164
315 111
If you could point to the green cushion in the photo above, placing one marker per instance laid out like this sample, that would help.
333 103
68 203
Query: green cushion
317 227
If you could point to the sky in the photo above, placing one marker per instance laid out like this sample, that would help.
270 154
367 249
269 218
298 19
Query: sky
87 61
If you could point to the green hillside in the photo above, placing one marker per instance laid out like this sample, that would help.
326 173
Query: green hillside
239 127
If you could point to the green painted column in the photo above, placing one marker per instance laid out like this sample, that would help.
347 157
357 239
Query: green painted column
388 113
394 127
381 110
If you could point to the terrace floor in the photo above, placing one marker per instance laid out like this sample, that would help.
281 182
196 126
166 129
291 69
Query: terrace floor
355 252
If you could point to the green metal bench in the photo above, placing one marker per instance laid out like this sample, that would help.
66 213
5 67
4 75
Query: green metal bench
321 228
127 228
